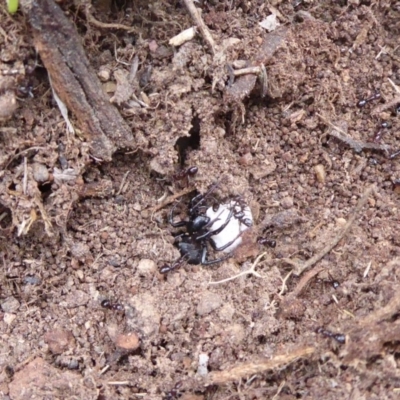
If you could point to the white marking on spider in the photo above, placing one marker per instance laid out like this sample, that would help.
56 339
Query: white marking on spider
235 226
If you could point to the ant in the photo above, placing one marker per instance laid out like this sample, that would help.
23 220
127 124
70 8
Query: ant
335 284
394 155
174 393
112 306
379 134
268 242
339 337
363 102
185 174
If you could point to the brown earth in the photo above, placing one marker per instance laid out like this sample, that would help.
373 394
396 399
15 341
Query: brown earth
319 316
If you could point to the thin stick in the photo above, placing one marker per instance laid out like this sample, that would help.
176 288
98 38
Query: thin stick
249 70
171 199
25 180
194 13
247 369
284 280
313 260
394 86
304 281
383 107
356 145
92 20
123 182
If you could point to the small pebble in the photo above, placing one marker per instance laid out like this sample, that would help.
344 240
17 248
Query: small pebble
208 303
59 340
10 305
202 369
40 173
114 262
32 280
104 74
246 159
129 341
320 173
287 202
341 222
9 318
79 250
146 267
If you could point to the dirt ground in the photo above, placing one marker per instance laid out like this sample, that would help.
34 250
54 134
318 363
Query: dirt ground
318 318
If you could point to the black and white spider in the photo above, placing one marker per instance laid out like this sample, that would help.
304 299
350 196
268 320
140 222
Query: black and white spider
220 226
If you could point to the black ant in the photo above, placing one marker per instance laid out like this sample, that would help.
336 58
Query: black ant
174 393
112 306
335 284
185 174
379 134
193 242
339 337
191 171
394 155
363 102
268 242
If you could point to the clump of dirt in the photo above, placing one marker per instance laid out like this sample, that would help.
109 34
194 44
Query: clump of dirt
82 300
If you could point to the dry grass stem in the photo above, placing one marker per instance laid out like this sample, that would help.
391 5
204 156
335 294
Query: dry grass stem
250 271
284 280
123 182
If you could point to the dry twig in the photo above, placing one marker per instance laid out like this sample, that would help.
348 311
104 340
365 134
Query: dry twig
247 369
171 199
194 13
299 268
92 20
304 281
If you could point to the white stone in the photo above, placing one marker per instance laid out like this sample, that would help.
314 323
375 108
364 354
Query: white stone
202 369
234 227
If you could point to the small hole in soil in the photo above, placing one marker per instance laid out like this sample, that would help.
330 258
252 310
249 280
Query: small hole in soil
45 189
187 143
5 216
12 186
262 339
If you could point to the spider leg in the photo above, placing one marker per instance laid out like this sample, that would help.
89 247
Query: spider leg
226 245
218 230
204 260
199 199
171 218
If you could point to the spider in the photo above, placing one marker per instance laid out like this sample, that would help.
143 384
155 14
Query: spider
206 228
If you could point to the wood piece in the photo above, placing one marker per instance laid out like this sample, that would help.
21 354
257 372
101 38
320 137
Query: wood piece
74 80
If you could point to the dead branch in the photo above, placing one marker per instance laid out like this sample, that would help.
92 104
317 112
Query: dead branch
74 80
